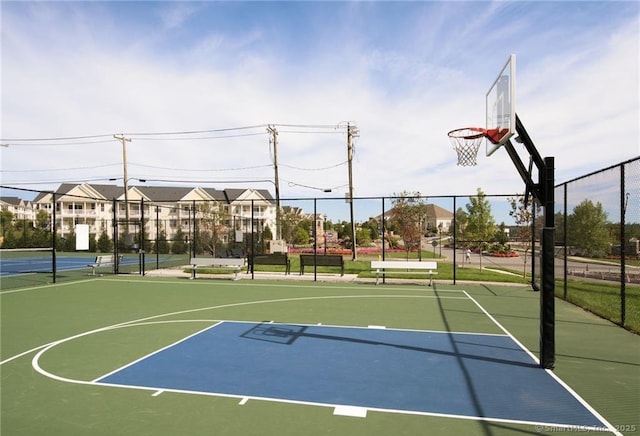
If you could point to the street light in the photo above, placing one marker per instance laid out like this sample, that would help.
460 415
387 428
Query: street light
291 184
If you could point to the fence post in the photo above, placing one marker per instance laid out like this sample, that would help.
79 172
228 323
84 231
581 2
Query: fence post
54 233
455 239
623 240
116 262
141 252
564 243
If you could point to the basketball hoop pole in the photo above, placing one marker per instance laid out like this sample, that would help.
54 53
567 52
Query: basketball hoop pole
544 192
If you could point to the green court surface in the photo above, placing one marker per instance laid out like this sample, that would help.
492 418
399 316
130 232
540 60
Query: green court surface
58 339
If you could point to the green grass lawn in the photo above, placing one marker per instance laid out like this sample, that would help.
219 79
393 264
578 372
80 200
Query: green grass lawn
362 268
604 300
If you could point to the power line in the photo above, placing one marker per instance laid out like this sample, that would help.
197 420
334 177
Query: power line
67 138
49 182
335 127
201 170
193 132
315 169
66 144
200 138
60 169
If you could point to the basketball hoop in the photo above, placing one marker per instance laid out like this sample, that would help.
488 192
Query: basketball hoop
467 141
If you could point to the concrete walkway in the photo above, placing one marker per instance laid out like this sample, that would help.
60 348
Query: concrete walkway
309 277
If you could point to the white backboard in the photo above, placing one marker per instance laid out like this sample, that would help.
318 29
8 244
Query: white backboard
501 106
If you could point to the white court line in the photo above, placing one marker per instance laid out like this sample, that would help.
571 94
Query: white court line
147 320
202 309
157 351
42 287
245 398
607 424
353 411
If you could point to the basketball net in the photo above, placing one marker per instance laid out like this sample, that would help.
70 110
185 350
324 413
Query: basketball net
466 142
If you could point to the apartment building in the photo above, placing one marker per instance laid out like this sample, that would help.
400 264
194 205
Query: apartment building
160 208
19 208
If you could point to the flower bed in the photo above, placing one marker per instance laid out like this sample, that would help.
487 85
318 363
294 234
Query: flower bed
498 254
343 251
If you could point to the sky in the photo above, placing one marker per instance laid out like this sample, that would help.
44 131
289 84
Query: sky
194 86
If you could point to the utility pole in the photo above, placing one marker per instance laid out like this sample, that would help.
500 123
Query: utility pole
124 141
274 141
352 132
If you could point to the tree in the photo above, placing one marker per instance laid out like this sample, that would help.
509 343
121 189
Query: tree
267 234
481 226
369 230
462 220
104 242
559 233
178 246
408 211
290 220
587 229
301 236
41 236
210 227
6 221
161 245
69 244
523 217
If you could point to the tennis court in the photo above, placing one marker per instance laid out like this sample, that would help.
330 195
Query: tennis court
36 261
33 266
139 355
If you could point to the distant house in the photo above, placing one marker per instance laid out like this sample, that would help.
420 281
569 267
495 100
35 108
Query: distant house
436 219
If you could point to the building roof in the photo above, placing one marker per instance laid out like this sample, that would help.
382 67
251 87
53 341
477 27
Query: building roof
155 193
14 201
217 194
164 193
438 212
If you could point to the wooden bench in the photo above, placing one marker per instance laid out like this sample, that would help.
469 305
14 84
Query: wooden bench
281 259
103 260
408 267
233 263
321 260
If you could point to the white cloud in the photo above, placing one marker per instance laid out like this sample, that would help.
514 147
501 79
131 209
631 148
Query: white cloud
404 79
176 14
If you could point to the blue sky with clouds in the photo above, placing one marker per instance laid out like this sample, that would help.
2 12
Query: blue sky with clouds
404 72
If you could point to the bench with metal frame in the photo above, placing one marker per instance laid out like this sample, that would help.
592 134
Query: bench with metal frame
321 260
270 259
407 267
233 263
103 260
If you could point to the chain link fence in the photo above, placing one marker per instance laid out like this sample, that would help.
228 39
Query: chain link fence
475 237
597 233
